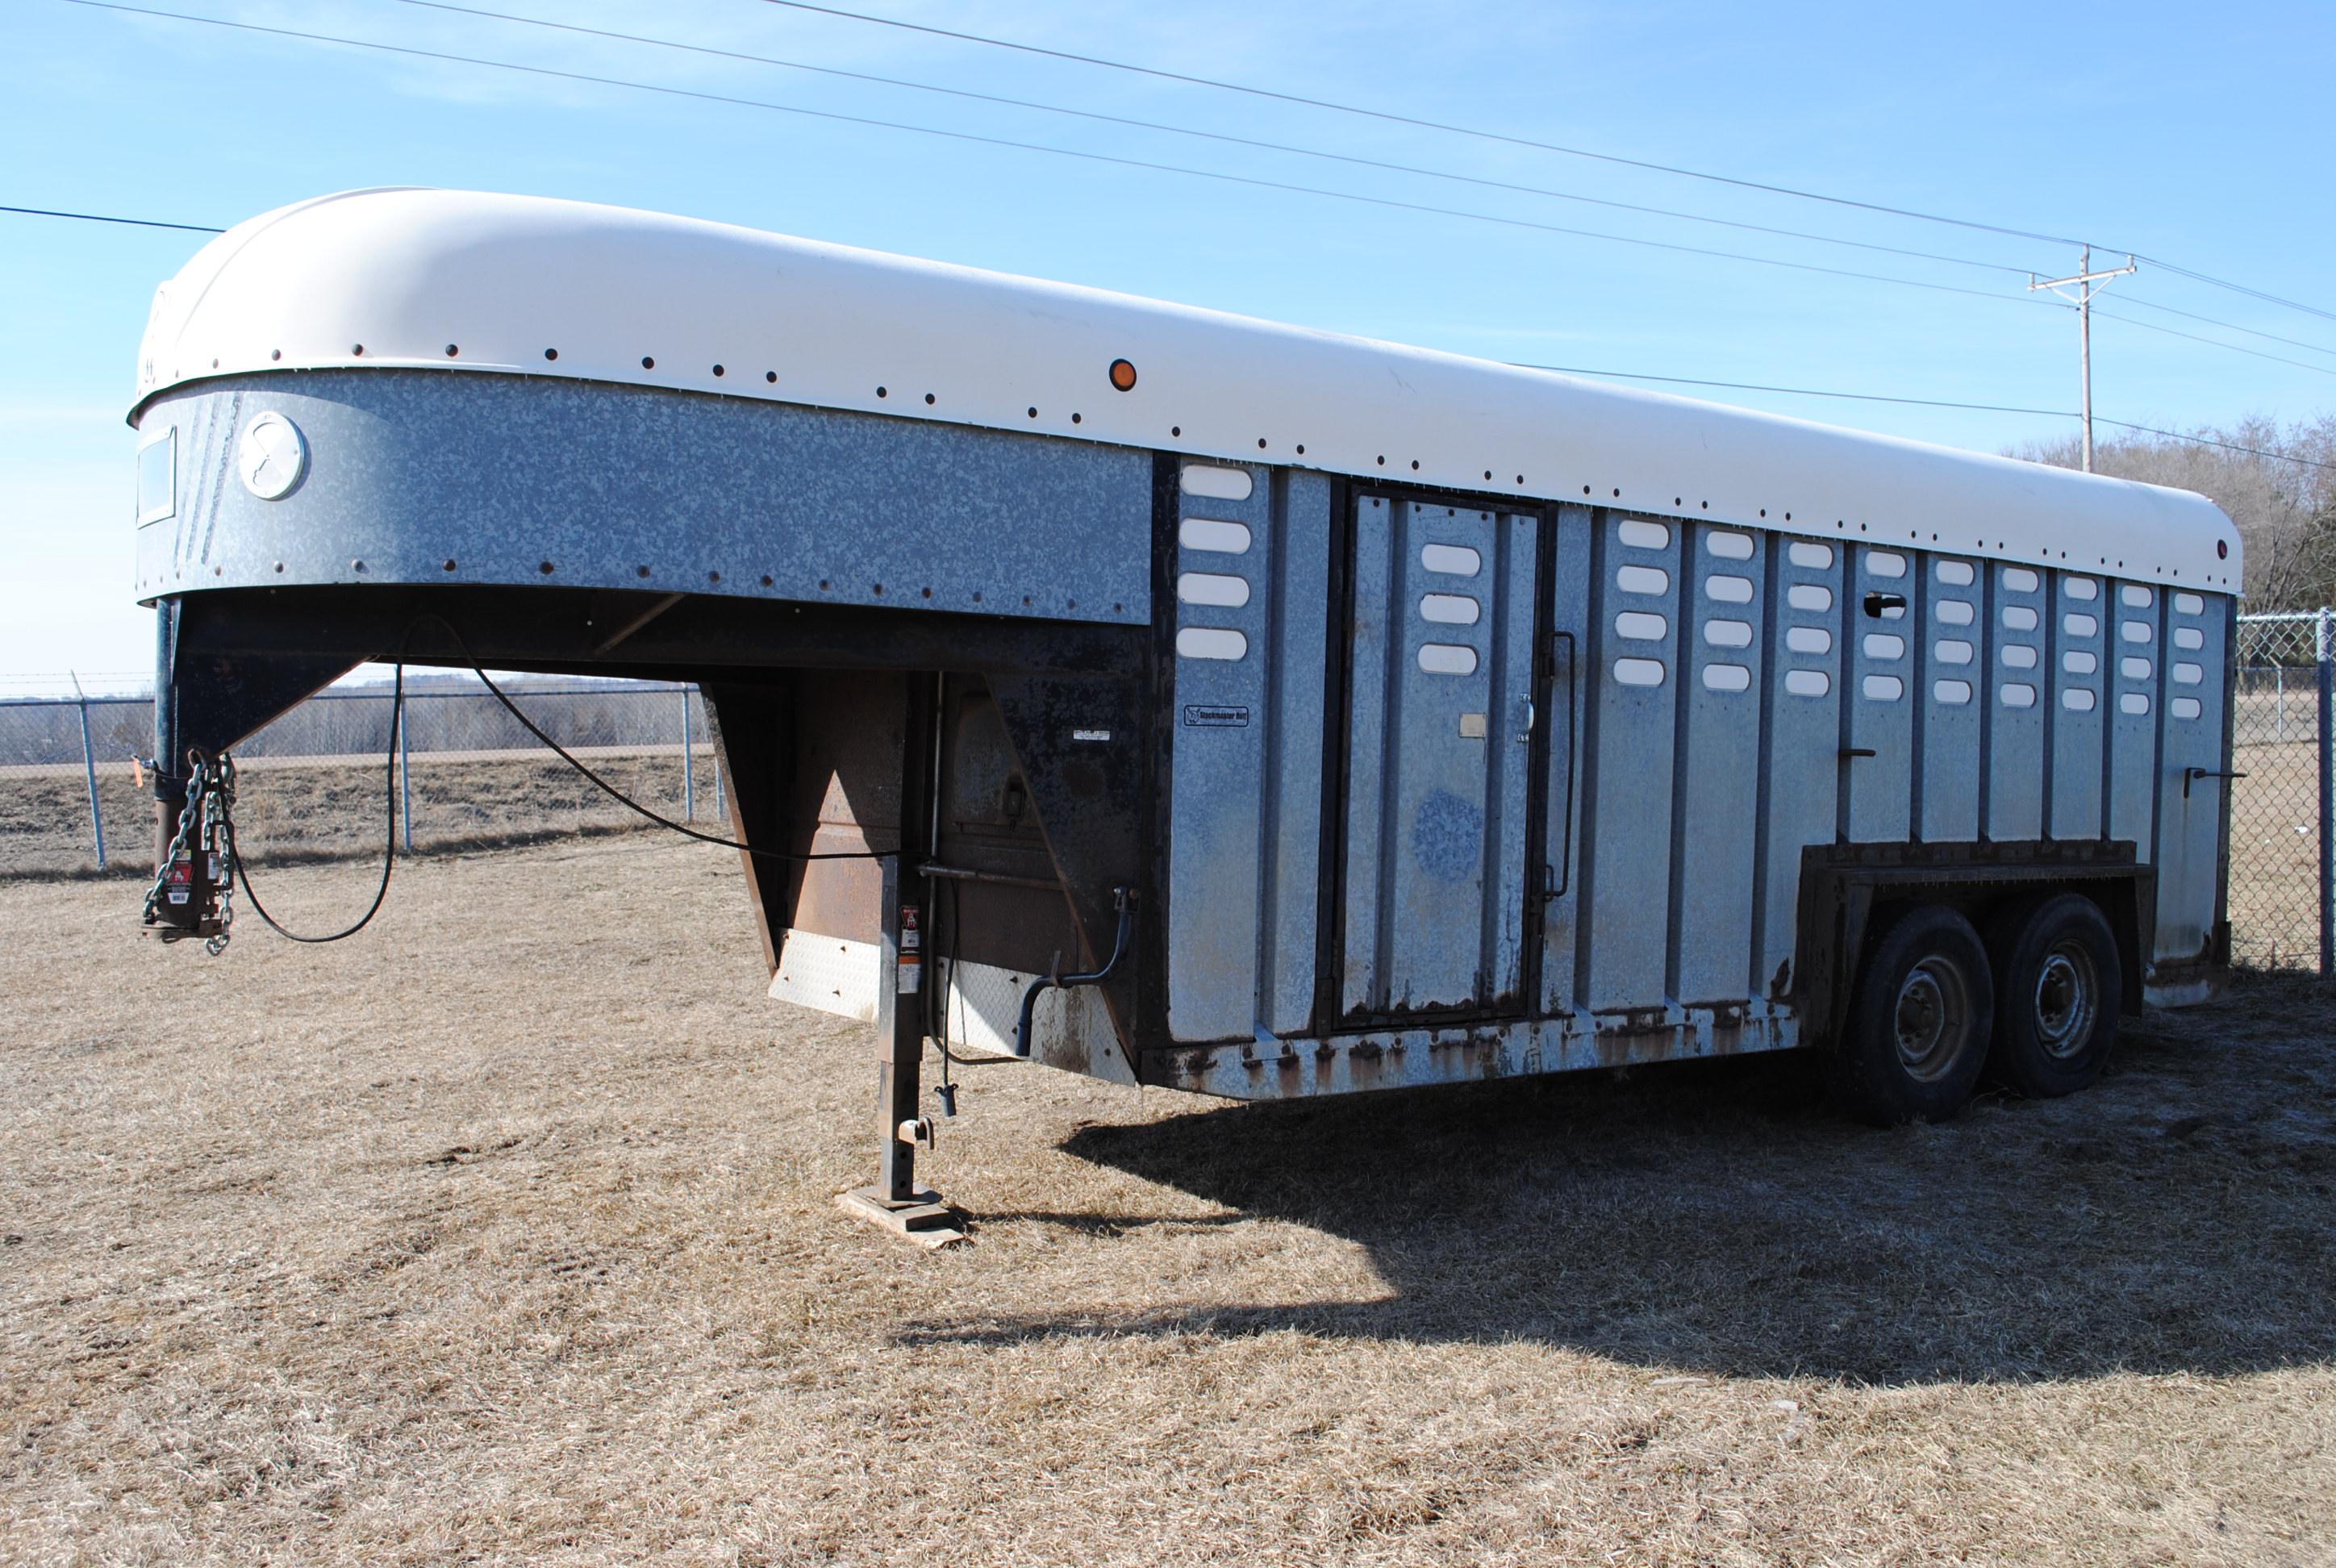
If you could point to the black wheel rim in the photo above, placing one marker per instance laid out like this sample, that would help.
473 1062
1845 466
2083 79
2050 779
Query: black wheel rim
1932 1017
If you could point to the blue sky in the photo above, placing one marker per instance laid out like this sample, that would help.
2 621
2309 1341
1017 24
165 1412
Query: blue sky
2196 135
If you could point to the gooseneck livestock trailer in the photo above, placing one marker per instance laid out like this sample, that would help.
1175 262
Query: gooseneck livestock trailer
1208 703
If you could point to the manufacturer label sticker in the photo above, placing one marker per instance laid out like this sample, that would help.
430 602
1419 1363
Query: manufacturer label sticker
1091 735
1212 716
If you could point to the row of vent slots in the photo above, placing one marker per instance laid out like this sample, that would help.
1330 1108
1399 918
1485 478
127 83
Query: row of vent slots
1726 678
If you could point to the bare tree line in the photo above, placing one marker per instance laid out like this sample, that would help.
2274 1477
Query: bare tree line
2285 508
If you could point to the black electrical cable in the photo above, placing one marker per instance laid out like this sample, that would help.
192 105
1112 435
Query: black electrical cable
389 833
620 797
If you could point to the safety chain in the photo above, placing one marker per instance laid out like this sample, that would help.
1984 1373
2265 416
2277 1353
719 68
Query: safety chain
206 818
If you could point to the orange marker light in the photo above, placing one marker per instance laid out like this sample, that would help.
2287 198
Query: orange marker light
1122 374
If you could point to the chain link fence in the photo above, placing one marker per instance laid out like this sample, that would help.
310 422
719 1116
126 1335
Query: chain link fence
2280 838
313 781
318 783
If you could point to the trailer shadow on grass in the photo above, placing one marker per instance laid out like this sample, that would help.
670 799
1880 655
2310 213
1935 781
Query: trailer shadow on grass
1719 1217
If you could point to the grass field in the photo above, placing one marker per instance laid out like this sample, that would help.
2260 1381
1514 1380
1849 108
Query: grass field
503 1235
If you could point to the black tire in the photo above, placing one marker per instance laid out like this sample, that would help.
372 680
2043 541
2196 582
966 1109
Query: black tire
2059 988
1916 1037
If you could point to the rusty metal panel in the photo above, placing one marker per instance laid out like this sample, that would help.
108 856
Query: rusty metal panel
1626 840
1724 662
1438 740
2077 715
1949 648
1879 697
2013 693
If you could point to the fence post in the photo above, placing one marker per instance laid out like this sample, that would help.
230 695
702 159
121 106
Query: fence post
689 781
2326 743
404 773
89 772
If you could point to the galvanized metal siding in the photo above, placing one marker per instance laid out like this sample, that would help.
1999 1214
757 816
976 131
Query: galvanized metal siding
2014 607
1801 770
1245 796
1878 699
1952 654
1723 663
2129 640
2193 670
1625 840
2077 715
1574 681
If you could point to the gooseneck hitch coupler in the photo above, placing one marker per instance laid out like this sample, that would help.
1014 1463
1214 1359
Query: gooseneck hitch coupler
1123 900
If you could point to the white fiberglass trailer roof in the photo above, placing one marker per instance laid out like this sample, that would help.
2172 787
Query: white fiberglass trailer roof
460 280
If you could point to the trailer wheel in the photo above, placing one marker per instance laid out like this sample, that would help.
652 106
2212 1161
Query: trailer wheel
1917 1032
2058 992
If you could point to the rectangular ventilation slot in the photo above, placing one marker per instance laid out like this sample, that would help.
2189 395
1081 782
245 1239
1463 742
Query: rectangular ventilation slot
1883 563
1955 613
2082 588
1217 484
1808 639
2134 669
2189 604
1730 546
1807 682
1952 651
2188 674
2133 597
1640 627
2018 618
1449 608
1215 535
1212 588
1809 596
1955 573
2018 656
1727 633
2134 630
1640 535
1816 557
1451 559
2186 708
1639 671
2077 661
1951 692
2019 579
2078 699
2017 695
1211 642
1882 645
1726 677
1728 589
2133 702
1882 688
2077 625
1642 579
2189 639
1447 658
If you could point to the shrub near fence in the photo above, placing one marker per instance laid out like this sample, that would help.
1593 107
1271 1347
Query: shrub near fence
312 783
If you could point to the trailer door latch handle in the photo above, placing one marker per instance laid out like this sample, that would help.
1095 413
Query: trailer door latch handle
2198 773
1851 751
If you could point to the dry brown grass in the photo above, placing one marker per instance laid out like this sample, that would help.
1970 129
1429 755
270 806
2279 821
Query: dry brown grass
503 1235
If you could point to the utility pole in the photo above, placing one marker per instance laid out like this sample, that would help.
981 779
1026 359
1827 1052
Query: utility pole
2085 284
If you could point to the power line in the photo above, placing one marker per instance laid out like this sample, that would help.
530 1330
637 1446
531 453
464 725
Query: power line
2227 326
1227 138
1419 124
2213 342
1484 134
98 218
2226 445
1800 391
1078 153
